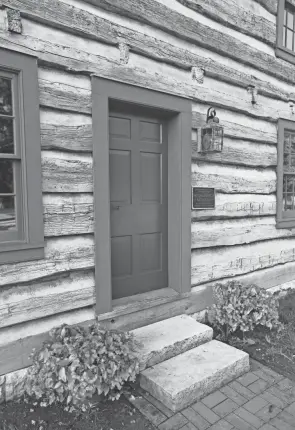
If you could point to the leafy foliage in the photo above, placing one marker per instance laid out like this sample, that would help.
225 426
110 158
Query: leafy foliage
243 307
77 362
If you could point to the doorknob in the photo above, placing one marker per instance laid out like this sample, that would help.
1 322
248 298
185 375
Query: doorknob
116 208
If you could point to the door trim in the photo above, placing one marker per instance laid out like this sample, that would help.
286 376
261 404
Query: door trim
179 122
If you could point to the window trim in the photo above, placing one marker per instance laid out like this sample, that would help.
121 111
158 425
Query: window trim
32 245
284 220
280 50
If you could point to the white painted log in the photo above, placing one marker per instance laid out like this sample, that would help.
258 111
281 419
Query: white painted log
212 264
238 206
31 328
65 131
239 152
61 255
207 234
237 125
231 13
66 215
29 302
65 172
233 179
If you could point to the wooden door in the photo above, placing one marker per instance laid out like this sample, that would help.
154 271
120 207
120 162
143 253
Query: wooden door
138 203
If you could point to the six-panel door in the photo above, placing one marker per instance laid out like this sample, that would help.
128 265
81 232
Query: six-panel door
138 204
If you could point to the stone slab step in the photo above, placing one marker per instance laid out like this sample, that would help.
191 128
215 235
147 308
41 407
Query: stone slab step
165 339
188 377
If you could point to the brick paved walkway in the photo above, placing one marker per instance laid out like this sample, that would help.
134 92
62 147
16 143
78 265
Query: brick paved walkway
260 399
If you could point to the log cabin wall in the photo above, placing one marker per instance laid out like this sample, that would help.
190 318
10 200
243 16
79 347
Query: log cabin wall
231 45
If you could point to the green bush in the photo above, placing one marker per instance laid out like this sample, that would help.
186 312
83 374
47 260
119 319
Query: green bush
243 307
77 362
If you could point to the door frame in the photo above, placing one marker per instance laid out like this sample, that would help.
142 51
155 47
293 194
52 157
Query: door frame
179 124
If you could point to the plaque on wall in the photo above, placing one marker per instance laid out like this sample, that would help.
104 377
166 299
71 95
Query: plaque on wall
203 198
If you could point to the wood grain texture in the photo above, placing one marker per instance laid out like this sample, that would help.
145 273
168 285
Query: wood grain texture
70 19
224 262
47 297
236 232
239 152
230 179
229 206
236 126
66 215
160 16
66 172
232 15
61 255
270 5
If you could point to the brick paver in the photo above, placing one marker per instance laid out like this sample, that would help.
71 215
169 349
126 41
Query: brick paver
259 400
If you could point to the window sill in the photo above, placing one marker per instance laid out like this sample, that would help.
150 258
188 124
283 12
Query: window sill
286 223
285 54
20 252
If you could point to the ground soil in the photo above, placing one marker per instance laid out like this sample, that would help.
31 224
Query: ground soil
107 415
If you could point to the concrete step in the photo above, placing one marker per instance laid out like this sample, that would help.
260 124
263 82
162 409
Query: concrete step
192 375
165 339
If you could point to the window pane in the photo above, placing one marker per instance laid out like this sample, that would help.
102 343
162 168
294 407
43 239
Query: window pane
5 96
6 177
289 43
6 135
287 142
7 213
290 20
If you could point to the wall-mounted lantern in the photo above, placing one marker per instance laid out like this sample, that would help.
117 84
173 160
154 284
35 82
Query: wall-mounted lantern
212 133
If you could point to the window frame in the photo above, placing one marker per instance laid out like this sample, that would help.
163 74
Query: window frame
284 219
31 245
280 50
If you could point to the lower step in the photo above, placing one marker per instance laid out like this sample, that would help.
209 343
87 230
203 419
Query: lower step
187 378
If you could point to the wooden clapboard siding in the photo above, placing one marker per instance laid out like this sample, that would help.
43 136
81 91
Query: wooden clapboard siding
223 262
207 234
68 214
228 206
232 14
61 255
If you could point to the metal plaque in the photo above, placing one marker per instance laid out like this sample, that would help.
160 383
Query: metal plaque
203 198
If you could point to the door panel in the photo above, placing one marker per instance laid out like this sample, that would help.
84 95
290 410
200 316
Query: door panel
139 201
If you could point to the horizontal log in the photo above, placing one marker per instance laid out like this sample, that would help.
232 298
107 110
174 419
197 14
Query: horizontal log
49 297
239 152
224 262
207 234
68 215
61 255
66 172
231 14
143 44
238 126
230 179
165 18
270 5
238 206
65 131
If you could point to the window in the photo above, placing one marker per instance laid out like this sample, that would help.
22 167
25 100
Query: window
286 30
21 214
286 174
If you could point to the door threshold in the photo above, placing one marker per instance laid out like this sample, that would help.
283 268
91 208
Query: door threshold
138 302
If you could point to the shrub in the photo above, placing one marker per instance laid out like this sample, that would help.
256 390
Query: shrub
243 307
76 363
